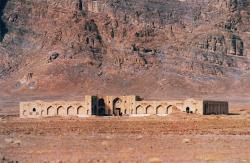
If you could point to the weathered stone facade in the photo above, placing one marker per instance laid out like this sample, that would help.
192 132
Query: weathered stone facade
119 106
38 109
215 107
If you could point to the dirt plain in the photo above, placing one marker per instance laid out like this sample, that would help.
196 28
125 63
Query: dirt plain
160 49
175 138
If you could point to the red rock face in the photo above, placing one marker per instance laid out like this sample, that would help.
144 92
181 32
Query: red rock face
153 48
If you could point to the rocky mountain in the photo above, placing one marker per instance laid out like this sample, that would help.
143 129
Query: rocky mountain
153 48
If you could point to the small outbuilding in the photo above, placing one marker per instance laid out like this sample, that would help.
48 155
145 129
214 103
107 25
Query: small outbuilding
215 107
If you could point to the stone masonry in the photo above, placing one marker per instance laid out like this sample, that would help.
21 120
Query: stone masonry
119 106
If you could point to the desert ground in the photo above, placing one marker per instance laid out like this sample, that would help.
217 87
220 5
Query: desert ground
175 138
158 49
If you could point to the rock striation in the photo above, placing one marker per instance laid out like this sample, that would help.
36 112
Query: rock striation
93 45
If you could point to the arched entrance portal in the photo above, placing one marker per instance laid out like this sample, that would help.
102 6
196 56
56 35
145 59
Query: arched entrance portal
160 110
101 112
140 110
71 111
60 111
172 109
101 107
150 110
51 111
117 107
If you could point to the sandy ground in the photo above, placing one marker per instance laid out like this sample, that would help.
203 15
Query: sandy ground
175 138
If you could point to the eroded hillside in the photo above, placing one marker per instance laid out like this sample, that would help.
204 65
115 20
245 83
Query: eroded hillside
157 48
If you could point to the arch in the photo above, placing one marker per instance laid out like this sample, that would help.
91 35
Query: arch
169 109
60 111
101 107
117 106
117 102
172 108
50 111
140 110
34 109
71 111
160 110
150 110
187 109
81 111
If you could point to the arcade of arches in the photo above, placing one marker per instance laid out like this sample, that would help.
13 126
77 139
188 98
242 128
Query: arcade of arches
119 106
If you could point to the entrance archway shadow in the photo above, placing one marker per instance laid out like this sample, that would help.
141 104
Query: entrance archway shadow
117 111
101 109
101 112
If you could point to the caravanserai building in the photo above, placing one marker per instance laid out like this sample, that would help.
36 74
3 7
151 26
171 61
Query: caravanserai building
119 106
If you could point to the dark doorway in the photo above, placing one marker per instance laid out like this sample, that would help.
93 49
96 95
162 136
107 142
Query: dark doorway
187 110
101 102
101 112
117 111
101 107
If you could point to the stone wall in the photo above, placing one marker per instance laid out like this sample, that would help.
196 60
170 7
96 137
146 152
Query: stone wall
167 107
215 107
193 106
152 108
113 105
119 106
36 109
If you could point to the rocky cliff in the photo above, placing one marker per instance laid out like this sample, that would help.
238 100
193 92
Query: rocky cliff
155 48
